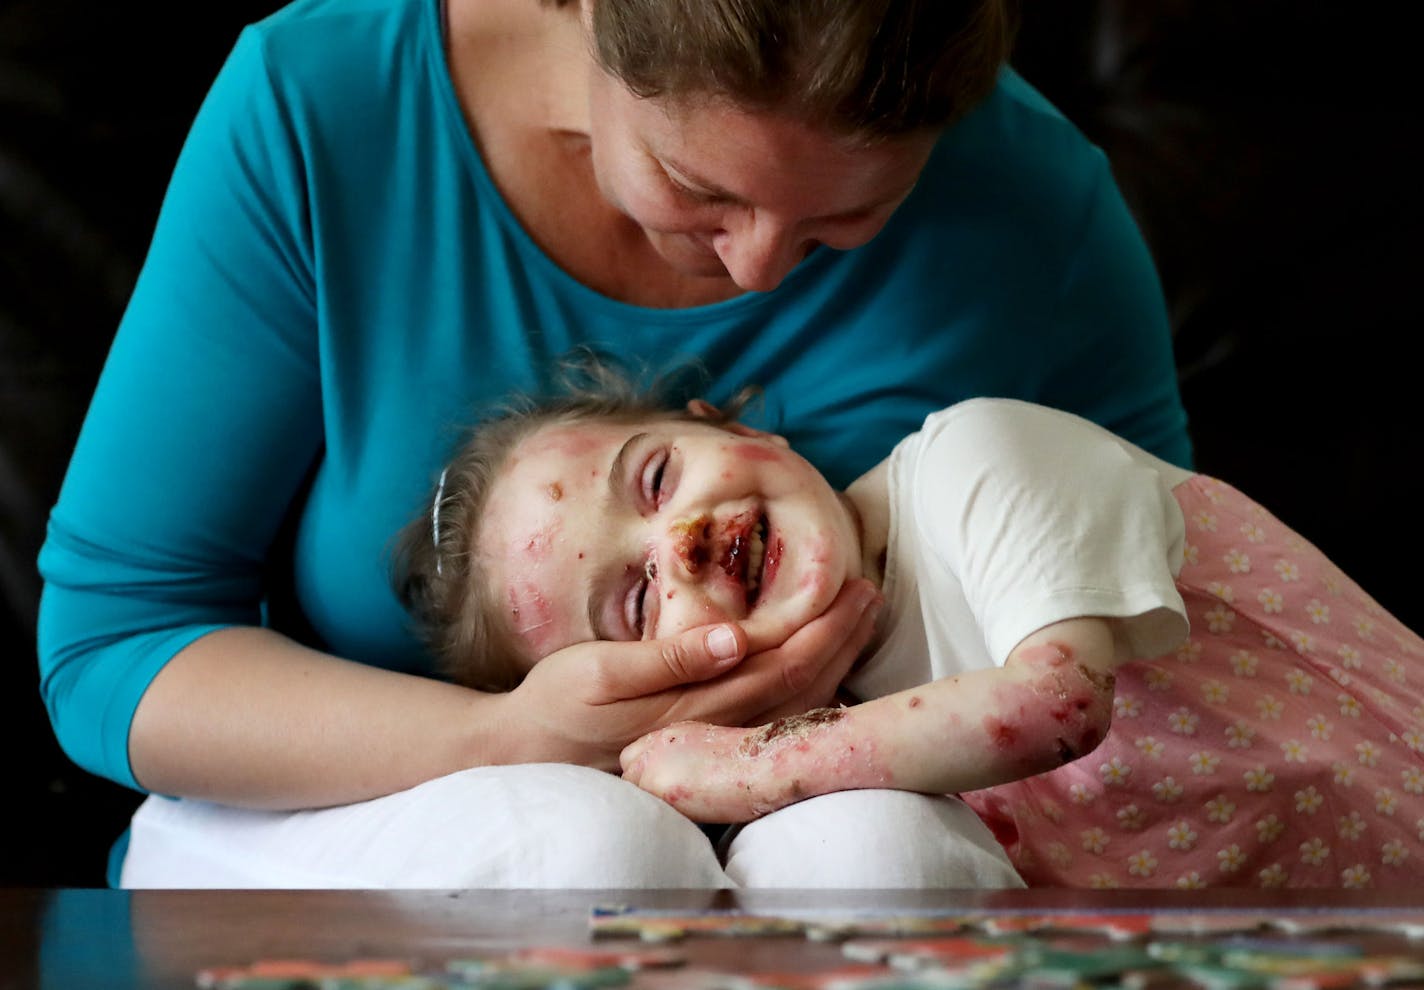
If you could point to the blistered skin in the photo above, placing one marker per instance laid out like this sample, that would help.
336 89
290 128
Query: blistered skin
1044 708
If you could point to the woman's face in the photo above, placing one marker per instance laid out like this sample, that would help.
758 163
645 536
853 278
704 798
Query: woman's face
596 530
730 193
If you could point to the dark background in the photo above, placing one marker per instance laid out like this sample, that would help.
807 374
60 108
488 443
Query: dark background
1263 144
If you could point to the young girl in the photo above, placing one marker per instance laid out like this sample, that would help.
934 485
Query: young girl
1135 675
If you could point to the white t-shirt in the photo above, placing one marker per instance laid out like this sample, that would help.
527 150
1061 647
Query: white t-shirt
1006 517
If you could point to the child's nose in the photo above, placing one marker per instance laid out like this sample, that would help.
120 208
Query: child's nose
689 542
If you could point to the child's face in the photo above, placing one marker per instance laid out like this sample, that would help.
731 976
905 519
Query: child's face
598 530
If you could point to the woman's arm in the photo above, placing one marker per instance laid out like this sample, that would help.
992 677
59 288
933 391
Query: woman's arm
1050 704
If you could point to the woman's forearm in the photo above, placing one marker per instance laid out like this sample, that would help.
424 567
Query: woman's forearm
246 716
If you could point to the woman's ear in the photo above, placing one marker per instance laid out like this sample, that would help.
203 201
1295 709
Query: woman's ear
702 409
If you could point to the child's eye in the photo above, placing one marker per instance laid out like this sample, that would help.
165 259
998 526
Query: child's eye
653 473
638 615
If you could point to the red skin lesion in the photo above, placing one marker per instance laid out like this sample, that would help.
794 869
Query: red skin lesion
757 452
1060 714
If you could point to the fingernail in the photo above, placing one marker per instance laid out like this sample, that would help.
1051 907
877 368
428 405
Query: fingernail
722 643
869 596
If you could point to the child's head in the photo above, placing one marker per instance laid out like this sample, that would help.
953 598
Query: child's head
612 517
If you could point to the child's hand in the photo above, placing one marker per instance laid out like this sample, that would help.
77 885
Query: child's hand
704 772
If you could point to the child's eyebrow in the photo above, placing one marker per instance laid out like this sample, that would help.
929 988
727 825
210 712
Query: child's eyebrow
618 468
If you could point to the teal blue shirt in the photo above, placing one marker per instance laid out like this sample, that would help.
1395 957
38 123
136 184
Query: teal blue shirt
334 285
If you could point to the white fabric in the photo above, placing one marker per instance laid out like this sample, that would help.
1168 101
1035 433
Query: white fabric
874 838
550 825
1007 517
542 825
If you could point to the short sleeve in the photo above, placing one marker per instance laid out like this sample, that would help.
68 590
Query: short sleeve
1043 516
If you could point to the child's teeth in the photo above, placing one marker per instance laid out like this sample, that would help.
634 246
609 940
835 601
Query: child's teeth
756 554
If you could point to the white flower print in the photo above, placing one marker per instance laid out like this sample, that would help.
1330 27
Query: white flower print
1344 773
1130 817
1299 681
1219 619
1268 707
1386 801
1215 692
1356 876
1115 772
1349 656
1294 751
1351 826
1203 762
1181 836
1320 727
1394 670
1229 860
1414 739
1190 651
1393 853
1314 852
1302 641
1365 628
1332 583
1349 707
1150 747
1059 855
1167 790
1253 533
1222 591
1158 679
1287 571
1190 881
1191 554
1259 779
1183 722
1080 795
1219 809
1126 707
1272 641
1271 601
1142 864
1052 812
1095 840
1240 735
1269 829
1309 800
1413 780
1205 521
1273 876
1237 562
1318 612
1340 677
1369 753
1102 881
1244 663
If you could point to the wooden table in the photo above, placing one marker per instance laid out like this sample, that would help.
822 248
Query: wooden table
76 939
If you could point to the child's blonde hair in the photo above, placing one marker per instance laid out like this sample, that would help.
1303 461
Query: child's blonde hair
438 572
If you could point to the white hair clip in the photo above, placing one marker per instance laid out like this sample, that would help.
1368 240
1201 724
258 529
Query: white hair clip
435 517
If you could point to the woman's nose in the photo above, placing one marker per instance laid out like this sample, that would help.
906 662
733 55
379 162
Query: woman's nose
758 254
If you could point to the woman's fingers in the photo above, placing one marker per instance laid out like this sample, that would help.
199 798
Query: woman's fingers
636 670
838 637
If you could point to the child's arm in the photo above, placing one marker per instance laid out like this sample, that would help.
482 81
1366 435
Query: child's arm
1048 705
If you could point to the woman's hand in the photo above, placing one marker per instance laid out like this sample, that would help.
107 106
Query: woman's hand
584 704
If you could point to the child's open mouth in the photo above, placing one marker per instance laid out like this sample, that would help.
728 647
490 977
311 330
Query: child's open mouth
744 558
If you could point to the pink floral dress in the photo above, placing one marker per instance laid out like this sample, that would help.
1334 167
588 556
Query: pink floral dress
1281 746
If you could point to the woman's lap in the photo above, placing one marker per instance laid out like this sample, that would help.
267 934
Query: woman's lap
551 825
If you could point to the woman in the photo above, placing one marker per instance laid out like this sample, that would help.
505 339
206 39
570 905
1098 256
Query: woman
388 214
